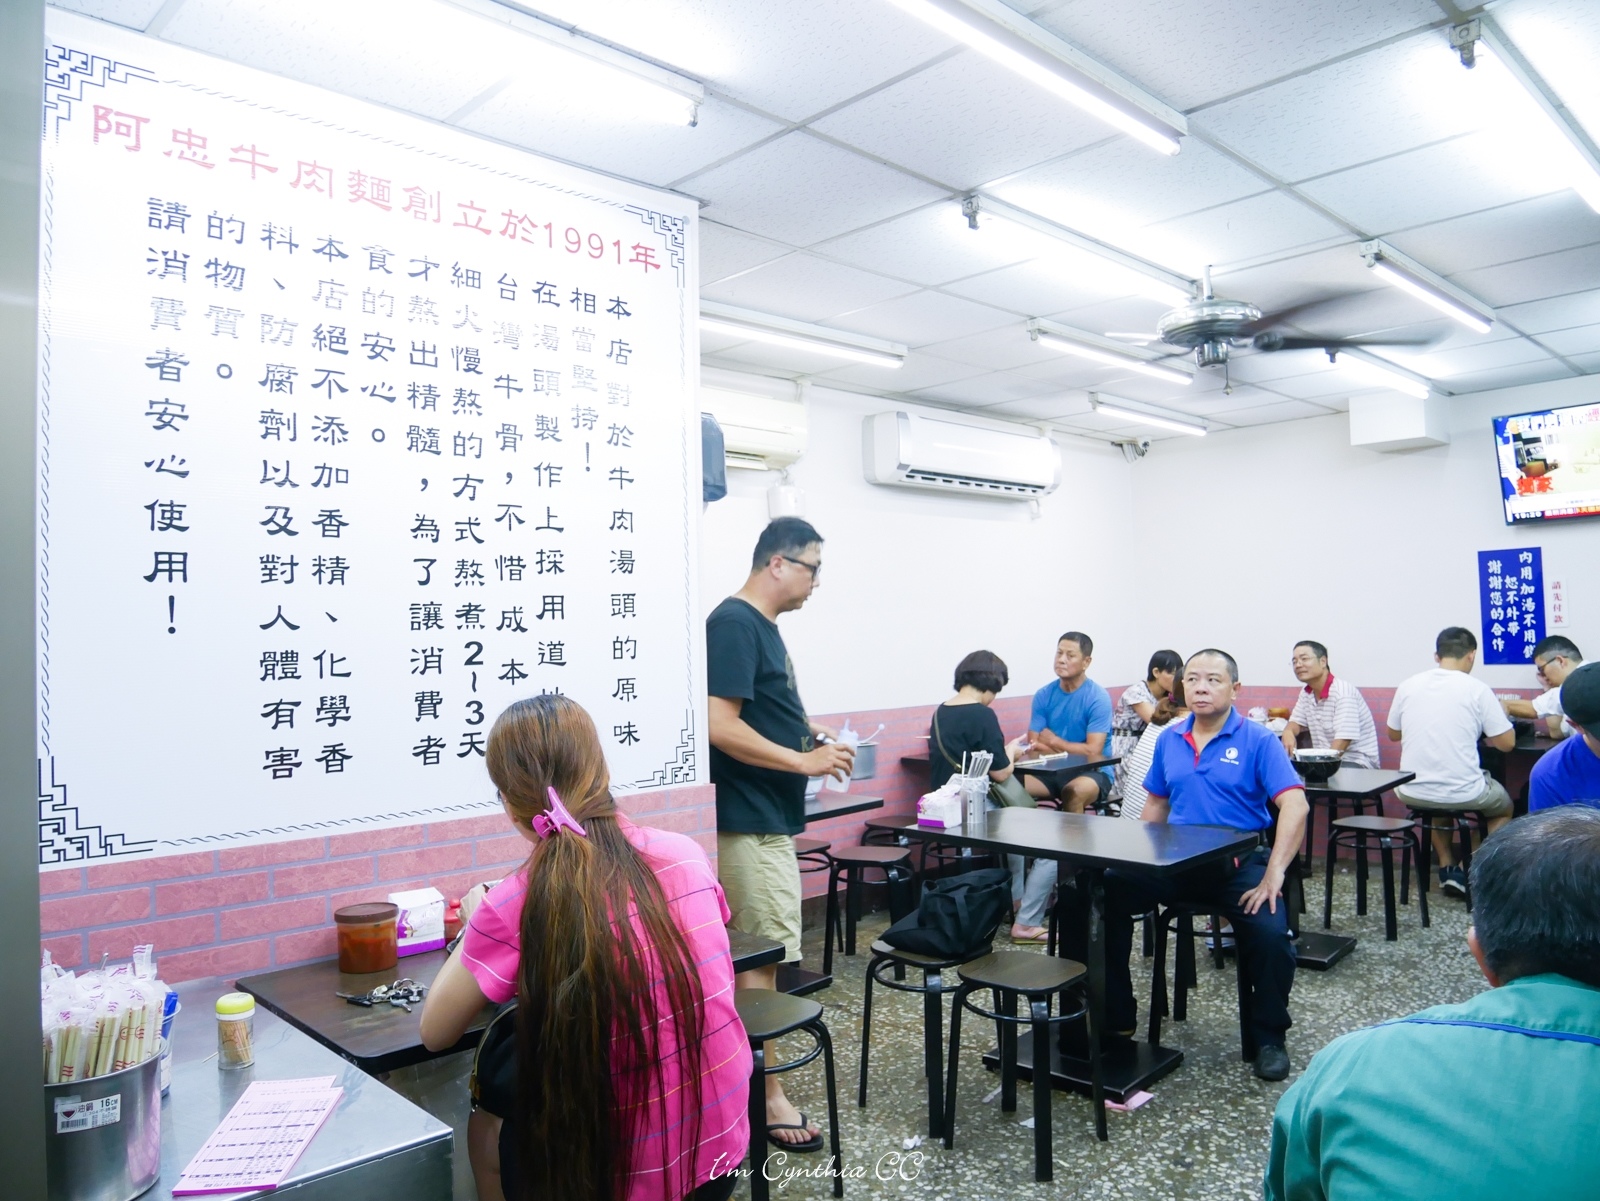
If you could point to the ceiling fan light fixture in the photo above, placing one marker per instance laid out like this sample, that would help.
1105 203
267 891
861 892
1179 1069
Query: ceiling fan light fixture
1005 36
1098 350
1411 276
1160 420
799 335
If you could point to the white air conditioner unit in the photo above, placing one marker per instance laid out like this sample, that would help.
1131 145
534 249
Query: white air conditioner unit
913 451
759 433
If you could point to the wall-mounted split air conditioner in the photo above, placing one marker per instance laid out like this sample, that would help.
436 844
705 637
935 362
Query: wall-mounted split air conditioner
909 450
759 433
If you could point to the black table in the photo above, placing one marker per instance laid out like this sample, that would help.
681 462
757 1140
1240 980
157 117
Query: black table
1053 771
1089 845
384 1038
837 804
1361 786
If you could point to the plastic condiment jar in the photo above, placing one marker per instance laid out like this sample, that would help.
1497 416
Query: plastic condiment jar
236 1030
367 937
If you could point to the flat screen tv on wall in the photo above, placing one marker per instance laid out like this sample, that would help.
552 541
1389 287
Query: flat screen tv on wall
1549 463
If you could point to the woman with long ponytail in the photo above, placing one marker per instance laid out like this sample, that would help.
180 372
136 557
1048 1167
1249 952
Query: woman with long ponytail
632 1066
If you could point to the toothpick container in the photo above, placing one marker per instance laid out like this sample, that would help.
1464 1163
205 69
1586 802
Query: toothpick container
236 1022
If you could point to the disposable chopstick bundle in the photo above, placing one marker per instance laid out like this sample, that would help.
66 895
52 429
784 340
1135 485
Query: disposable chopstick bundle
99 1021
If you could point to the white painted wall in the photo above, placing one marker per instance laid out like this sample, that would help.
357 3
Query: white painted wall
1248 540
914 580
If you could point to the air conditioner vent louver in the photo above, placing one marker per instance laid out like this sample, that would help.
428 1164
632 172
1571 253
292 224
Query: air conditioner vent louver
908 450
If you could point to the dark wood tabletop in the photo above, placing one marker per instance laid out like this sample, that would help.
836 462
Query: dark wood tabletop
1056 770
1095 842
836 804
1359 783
384 1038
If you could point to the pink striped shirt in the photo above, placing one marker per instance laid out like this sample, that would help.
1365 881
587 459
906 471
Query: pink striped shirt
491 952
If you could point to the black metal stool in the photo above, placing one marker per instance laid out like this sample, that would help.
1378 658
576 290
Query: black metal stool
850 863
1358 807
1014 974
1354 832
1166 918
768 1015
1459 822
885 957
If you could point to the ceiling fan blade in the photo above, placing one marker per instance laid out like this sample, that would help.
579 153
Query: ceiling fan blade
1271 340
1284 316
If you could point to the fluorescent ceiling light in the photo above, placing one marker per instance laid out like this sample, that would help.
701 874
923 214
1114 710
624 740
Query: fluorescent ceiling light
618 84
1384 376
1411 276
1493 54
799 335
999 32
1103 263
1085 345
1165 421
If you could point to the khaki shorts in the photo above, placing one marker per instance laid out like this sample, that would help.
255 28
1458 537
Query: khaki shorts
1493 801
761 878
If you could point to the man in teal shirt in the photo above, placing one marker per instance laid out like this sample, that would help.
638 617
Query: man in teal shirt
1490 1099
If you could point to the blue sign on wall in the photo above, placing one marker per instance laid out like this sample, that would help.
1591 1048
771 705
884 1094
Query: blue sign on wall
1511 598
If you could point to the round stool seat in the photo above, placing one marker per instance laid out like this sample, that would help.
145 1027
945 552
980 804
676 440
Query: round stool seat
917 959
870 856
767 1014
810 846
1373 825
1022 971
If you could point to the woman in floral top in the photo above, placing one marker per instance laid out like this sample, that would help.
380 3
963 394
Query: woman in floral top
1135 707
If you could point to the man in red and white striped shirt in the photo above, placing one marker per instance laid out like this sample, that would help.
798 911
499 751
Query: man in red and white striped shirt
1332 709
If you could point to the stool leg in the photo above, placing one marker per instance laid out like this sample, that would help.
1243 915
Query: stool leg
1158 981
1008 1054
900 900
1327 880
1419 841
831 920
1247 1038
1040 1009
821 1034
955 1057
1361 874
1149 936
1097 1084
1386 846
1424 829
933 1046
866 1033
1183 972
855 885
1405 870
758 1122
1219 957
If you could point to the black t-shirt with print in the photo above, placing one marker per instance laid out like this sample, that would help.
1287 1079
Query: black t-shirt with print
746 661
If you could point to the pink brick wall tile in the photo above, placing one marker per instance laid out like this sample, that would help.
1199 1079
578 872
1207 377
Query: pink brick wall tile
426 862
65 950
512 848
230 962
209 892
307 944
161 867
467 827
251 921
321 877
359 896
376 840
177 933
55 882
97 909
298 850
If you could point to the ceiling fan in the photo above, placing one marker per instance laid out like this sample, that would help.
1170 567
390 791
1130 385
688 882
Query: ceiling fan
1211 328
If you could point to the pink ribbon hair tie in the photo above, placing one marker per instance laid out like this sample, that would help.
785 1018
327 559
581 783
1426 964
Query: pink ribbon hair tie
547 823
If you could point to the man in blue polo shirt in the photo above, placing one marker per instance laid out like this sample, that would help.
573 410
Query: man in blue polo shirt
1214 768
1570 774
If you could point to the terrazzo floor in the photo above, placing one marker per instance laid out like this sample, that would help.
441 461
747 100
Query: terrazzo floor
1204 1135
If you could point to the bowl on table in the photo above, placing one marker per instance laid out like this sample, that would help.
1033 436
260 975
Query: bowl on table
1316 765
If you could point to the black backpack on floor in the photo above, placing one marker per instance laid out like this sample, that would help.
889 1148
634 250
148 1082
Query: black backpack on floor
958 914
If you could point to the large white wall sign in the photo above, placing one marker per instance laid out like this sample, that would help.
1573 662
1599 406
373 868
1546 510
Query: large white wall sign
353 429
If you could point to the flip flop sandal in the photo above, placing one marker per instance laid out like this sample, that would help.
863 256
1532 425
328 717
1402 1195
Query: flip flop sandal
1037 940
814 1143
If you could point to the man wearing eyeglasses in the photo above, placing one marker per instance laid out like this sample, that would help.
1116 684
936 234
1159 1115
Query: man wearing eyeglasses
1554 659
763 746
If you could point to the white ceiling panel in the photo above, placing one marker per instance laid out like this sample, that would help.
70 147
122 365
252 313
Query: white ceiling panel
1463 175
1571 343
1245 229
1329 273
1559 221
1069 371
1589 364
963 121
1113 188
801 189
1270 414
725 251
389 51
1557 312
1316 378
1447 366
922 319
1127 315
931 246
1535 278
920 370
804 287
553 120
1194 51
998 349
1396 98
1036 288
1508 377
792 60
985 390
770 360
134 14
1562 40
1053 406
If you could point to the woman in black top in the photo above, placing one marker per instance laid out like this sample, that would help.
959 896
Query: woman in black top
965 723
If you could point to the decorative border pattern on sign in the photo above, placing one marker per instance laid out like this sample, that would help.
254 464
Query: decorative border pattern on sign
680 769
673 229
67 72
63 840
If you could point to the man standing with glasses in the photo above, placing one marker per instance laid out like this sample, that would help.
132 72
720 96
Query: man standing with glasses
763 746
1554 659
